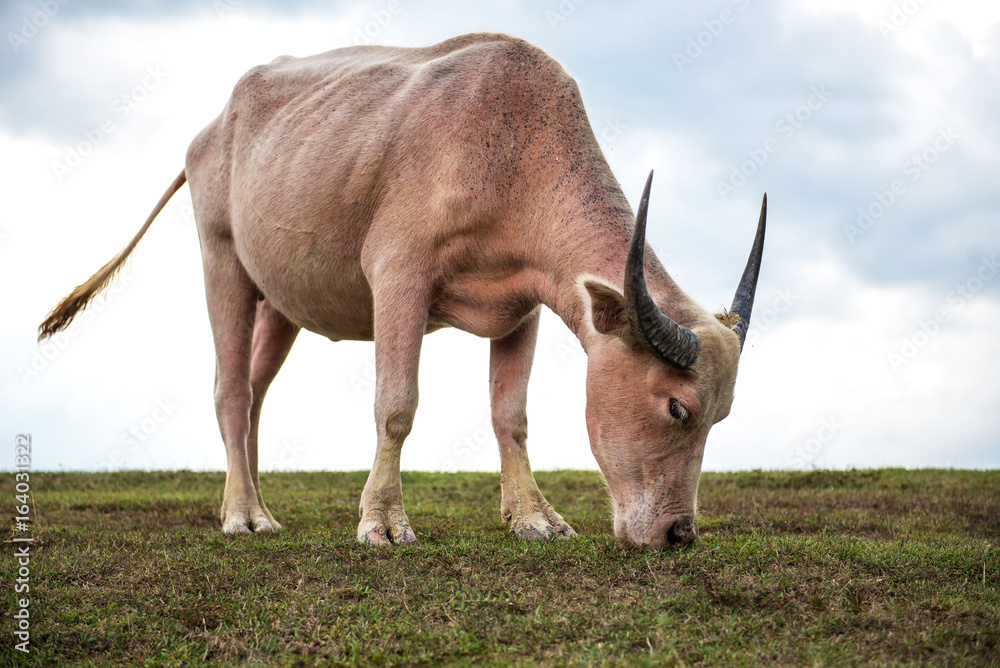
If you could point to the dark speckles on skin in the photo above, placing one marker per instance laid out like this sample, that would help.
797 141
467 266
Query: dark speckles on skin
487 128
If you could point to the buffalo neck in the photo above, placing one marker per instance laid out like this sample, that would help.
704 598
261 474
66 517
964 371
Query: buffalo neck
588 232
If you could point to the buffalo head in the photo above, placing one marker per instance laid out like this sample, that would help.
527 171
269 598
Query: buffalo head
655 387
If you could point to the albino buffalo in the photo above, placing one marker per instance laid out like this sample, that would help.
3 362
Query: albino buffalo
377 193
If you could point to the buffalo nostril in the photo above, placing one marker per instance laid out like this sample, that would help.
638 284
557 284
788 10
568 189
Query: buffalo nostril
681 533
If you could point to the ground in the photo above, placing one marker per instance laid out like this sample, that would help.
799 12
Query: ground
817 568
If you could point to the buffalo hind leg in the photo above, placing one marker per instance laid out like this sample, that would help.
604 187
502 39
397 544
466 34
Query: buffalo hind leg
232 305
273 336
522 506
400 321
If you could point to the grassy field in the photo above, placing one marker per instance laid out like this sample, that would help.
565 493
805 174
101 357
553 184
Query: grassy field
818 568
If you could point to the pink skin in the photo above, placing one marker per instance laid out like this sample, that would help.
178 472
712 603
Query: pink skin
376 193
650 458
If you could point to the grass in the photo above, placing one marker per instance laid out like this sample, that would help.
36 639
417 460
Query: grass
820 568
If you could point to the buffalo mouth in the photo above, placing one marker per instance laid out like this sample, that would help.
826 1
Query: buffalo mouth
670 533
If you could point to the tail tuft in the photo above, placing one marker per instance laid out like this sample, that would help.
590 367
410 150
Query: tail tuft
62 315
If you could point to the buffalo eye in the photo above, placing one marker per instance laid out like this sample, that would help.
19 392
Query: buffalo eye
677 411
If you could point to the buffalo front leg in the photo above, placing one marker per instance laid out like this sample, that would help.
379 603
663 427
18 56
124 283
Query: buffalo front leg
273 336
232 304
400 321
522 506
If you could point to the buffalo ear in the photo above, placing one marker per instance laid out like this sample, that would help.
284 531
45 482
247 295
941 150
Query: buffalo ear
607 309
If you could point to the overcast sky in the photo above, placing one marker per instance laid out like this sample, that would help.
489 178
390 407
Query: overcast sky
872 125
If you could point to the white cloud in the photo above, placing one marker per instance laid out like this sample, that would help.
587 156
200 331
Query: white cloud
828 358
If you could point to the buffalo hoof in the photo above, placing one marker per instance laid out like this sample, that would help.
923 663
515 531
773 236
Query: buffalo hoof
538 521
247 520
547 531
385 528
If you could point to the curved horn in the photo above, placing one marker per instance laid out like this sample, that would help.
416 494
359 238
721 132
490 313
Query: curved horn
743 301
674 344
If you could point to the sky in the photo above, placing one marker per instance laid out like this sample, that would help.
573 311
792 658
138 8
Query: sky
871 125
